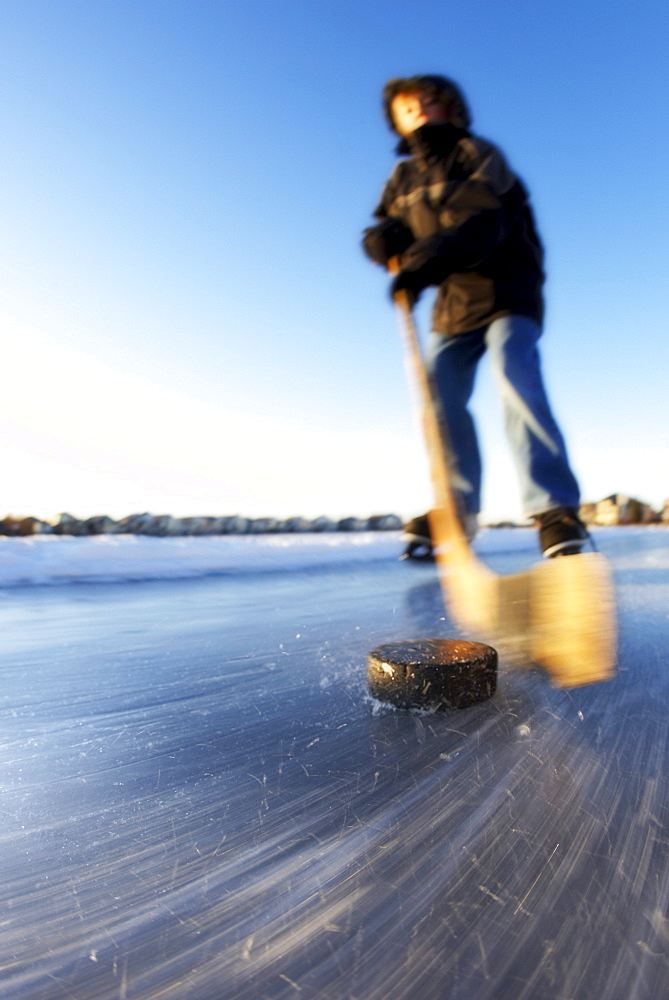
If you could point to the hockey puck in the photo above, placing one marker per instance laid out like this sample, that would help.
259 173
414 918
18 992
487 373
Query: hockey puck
432 673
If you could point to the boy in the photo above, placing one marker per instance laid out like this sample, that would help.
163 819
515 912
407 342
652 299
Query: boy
459 219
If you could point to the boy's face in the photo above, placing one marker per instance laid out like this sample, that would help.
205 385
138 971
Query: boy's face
412 110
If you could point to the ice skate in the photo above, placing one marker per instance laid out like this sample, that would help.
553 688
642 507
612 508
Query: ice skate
561 532
418 537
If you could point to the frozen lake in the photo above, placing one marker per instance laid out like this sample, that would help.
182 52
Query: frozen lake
199 799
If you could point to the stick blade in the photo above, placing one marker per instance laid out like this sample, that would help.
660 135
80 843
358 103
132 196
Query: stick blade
572 619
558 614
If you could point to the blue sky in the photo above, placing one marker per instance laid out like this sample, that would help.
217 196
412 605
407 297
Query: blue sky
190 325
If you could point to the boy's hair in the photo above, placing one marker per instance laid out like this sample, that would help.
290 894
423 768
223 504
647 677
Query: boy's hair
446 90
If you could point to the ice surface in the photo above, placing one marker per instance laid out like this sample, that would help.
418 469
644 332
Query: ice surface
199 799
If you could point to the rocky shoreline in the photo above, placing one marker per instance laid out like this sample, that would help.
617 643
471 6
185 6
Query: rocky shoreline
164 525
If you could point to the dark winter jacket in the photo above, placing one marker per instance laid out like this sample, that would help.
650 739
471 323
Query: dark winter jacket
490 256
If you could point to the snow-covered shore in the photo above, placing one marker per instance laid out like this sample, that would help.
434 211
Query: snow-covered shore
51 559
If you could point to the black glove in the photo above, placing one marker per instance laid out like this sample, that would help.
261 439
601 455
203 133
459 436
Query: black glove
403 283
389 239
425 263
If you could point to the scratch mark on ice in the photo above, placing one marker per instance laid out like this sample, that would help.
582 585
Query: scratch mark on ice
520 904
290 982
487 891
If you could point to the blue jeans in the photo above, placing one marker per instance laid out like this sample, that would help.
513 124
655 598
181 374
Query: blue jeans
538 448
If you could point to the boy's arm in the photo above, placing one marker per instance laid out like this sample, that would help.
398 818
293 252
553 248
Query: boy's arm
387 239
391 235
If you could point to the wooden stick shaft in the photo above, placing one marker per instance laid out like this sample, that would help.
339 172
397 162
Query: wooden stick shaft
445 514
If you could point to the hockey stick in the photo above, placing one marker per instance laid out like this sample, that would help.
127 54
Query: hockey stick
558 613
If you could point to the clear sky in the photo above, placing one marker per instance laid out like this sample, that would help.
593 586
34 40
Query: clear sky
189 325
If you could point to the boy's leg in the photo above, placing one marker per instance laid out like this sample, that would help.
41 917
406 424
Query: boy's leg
546 479
451 362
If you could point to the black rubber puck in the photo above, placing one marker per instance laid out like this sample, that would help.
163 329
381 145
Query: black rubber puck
432 673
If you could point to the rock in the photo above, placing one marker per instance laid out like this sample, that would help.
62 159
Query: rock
351 524
199 525
235 525
98 525
135 524
384 522
24 526
68 525
295 524
164 524
262 526
322 524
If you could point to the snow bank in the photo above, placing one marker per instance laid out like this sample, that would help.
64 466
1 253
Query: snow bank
50 559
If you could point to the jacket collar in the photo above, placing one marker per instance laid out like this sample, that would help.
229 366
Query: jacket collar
431 140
